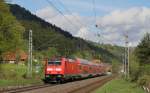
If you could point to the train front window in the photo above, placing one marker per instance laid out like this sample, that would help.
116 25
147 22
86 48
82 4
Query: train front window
54 63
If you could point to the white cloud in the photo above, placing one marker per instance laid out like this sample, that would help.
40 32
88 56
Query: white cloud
85 33
47 13
134 21
74 23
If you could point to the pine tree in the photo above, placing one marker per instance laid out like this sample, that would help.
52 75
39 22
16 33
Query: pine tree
143 50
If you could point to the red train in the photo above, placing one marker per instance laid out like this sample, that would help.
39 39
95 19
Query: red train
63 69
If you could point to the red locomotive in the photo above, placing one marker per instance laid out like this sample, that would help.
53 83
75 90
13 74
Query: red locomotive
63 69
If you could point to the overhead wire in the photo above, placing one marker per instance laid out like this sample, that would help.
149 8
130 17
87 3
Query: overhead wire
75 17
67 10
95 21
50 2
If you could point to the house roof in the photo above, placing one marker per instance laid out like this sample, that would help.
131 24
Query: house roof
12 55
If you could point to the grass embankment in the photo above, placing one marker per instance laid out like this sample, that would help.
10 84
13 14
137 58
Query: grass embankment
119 86
12 74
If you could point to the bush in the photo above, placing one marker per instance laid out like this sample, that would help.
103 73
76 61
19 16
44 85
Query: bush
145 69
12 71
144 80
134 68
115 66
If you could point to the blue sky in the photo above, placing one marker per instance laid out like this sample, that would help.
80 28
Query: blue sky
114 17
84 7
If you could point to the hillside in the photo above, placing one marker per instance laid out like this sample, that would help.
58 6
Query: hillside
46 35
115 50
11 31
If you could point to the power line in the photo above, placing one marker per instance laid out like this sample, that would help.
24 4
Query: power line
71 13
50 2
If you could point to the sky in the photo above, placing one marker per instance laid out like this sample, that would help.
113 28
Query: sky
114 18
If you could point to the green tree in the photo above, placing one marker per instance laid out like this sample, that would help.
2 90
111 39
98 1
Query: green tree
11 31
51 52
143 50
134 67
142 53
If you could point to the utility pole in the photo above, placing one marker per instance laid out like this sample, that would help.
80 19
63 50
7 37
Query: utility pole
30 54
128 60
123 61
126 63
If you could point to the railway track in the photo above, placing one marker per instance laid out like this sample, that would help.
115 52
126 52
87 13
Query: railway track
71 87
23 89
90 87
81 86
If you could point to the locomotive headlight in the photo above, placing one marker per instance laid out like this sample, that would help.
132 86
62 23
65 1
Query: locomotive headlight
46 75
49 69
58 69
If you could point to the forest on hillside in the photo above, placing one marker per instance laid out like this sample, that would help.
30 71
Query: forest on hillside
48 38
11 31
